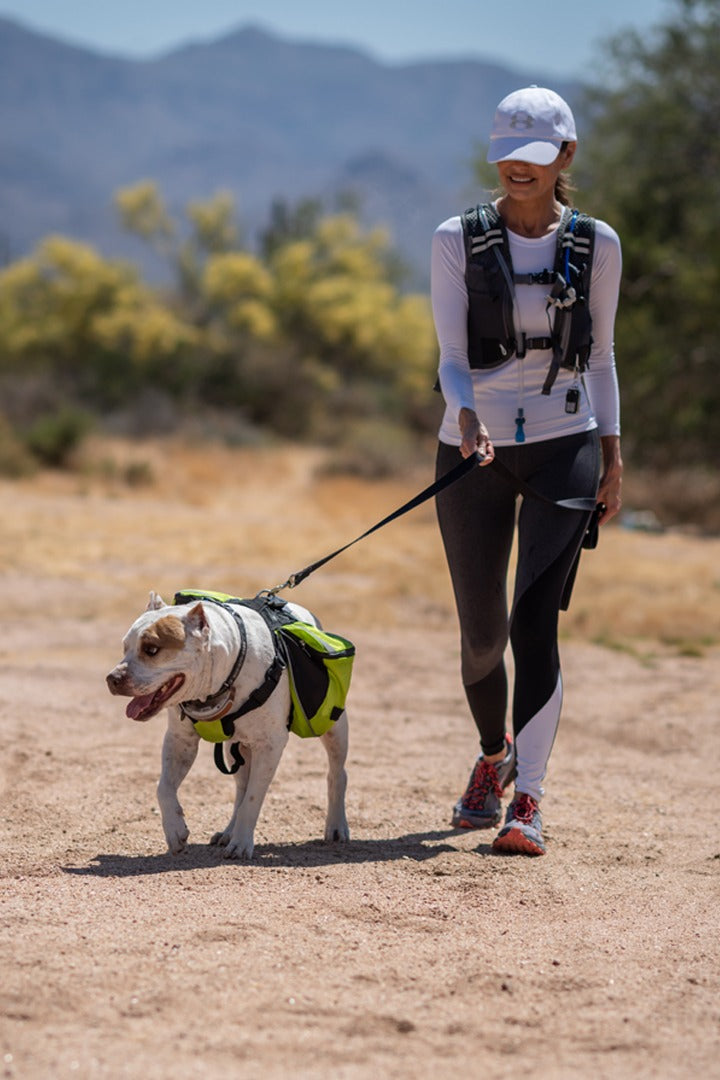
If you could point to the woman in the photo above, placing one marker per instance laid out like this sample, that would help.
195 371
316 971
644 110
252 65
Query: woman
527 372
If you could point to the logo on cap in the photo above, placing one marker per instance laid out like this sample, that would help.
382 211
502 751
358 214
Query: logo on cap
522 120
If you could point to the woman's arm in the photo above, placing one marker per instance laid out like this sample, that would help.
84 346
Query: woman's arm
601 377
450 308
610 490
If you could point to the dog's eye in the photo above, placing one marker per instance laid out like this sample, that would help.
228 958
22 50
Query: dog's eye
151 650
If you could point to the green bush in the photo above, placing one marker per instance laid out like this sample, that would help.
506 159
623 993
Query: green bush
55 437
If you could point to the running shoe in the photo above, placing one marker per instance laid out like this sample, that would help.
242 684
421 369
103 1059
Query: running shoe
522 831
479 807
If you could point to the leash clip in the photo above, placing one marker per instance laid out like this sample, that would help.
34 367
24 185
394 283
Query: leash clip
289 584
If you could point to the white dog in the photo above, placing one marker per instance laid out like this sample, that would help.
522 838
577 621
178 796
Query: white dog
185 654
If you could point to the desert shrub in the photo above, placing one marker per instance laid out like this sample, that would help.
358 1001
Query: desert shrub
682 497
15 458
373 449
54 438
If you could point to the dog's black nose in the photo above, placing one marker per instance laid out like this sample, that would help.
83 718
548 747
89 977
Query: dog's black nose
115 679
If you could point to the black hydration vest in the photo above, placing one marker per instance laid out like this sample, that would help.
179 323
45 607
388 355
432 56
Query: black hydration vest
490 281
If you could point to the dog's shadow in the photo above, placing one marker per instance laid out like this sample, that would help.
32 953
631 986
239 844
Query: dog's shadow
415 847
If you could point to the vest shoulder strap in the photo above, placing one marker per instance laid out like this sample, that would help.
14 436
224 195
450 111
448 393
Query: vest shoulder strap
483 229
575 246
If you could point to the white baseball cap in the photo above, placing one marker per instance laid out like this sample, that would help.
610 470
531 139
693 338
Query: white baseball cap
530 125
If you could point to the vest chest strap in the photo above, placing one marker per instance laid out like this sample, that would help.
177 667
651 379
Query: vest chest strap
524 343
544 277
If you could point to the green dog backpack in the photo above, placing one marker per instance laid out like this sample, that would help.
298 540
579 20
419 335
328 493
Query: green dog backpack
319 666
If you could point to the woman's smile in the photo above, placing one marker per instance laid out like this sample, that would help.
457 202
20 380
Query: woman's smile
525 183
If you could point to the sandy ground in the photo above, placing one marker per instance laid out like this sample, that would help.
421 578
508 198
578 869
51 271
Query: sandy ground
411 952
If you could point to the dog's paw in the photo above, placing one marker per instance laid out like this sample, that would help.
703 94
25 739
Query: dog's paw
177 839
239 849
337 832
220 839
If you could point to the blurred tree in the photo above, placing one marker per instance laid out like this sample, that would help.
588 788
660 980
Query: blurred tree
651 168
214 224
142 211
371 348
238 291
211 229
91 322
311 340
289 223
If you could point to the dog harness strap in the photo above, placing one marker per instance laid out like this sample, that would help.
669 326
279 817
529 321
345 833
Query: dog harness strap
238 759
239 661
254 701
258 697
242 651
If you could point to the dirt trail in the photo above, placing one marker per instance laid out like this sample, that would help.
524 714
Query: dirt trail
412 952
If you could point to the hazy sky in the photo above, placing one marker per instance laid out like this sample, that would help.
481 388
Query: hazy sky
560 40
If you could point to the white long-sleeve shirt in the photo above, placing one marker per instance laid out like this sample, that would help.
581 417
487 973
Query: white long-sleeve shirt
496 394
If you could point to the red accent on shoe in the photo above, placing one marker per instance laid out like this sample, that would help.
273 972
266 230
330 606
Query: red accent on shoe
524 808
483 780
522 831
516 842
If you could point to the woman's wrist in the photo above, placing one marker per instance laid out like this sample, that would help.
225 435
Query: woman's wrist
611 455
474 435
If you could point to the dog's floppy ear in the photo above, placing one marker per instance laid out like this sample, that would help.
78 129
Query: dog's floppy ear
155 602
196 620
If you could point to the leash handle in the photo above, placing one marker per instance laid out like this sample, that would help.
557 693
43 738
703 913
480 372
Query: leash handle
582 502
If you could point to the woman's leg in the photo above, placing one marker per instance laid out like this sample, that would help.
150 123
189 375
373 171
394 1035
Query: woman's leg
477 517
549 538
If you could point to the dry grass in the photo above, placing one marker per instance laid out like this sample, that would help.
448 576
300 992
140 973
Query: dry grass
164 515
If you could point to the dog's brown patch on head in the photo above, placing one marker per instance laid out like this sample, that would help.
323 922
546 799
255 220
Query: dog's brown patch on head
166 633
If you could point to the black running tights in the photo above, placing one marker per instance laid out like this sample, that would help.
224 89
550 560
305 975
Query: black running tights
477 518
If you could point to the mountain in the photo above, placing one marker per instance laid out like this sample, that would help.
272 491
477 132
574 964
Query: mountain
251 113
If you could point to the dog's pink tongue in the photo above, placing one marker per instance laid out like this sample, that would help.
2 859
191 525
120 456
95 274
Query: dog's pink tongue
138 705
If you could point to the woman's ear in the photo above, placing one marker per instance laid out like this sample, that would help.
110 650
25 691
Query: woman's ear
569 154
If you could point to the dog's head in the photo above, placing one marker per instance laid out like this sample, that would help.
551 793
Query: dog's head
166 651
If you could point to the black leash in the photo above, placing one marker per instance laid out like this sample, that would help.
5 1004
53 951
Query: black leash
583 503
444 481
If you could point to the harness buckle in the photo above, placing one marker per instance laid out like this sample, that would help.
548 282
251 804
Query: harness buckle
544 277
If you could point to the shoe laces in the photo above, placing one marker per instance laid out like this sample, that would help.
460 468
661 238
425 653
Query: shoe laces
524 808
483 781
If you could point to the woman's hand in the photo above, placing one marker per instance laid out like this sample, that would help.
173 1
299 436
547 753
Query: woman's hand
610 490
474 436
